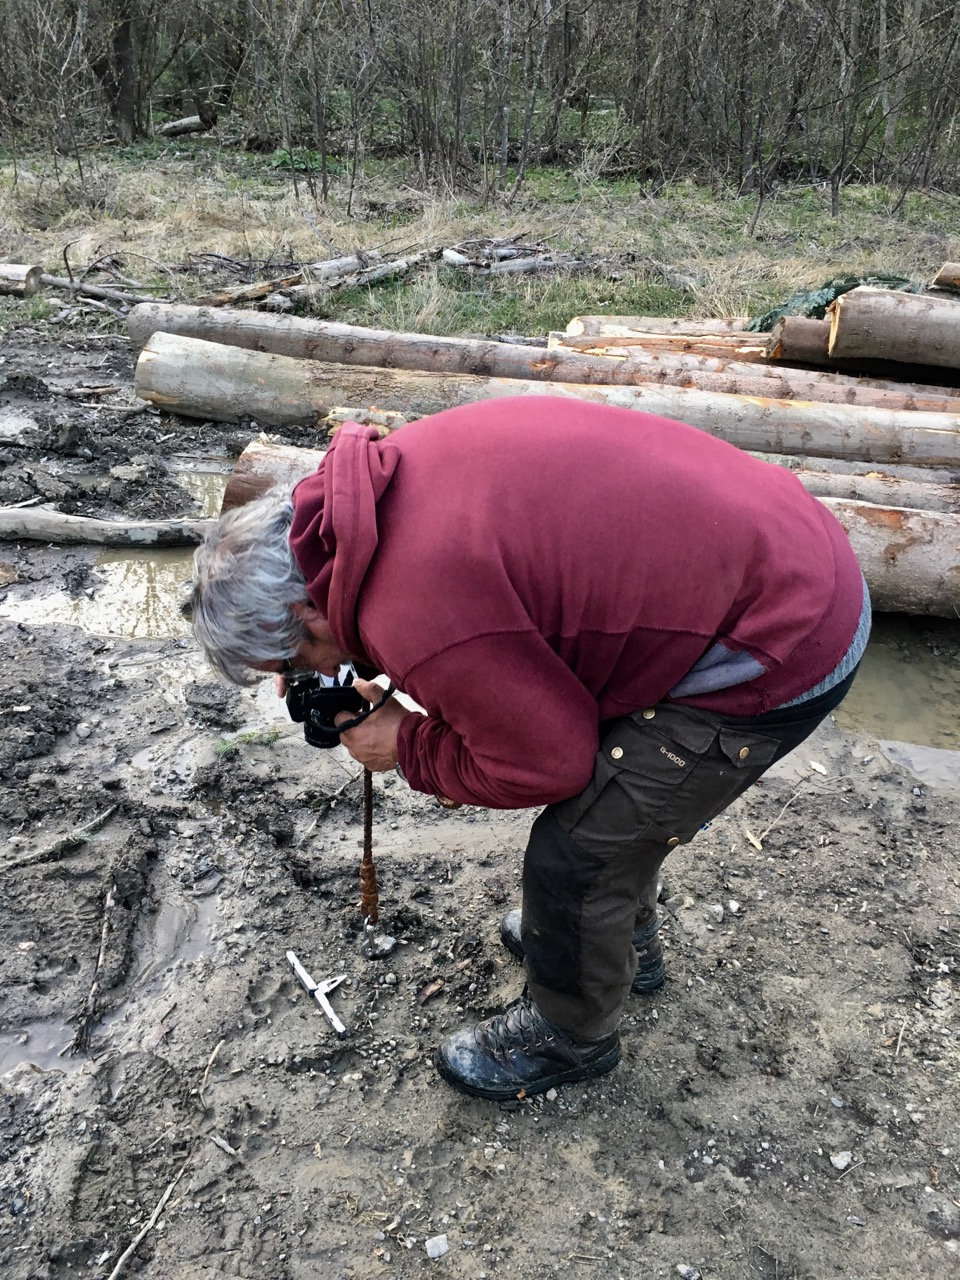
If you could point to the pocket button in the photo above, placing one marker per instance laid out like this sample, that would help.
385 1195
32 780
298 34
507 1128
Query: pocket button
673 842
744 752
649 713
616 753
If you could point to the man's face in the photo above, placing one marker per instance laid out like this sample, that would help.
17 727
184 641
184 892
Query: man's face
319 652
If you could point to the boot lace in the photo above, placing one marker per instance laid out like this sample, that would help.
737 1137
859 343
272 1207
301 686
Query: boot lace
521 1027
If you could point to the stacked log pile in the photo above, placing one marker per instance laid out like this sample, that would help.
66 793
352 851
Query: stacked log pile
883 452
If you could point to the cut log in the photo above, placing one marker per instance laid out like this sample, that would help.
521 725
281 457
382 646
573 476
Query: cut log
741 377
41 524
948 277
207 380
19 280
910 559
600 326
348 265
732 346
801 340
351 344
263 465
880 490
189 124
882 324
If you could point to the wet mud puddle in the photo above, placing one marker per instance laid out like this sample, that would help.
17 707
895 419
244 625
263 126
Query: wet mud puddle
906 695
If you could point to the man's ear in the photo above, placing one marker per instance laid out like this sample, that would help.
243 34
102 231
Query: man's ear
314 621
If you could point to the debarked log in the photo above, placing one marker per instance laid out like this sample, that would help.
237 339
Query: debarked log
329 341
910 559
19 279
41 524
737 377
207 380
598 326
883 324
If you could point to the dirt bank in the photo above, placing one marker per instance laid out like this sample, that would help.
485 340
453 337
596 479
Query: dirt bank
788 1105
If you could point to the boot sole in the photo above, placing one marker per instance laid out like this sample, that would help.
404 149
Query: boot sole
643 983
572 1074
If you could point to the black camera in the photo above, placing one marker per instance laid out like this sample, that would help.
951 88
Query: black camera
315 705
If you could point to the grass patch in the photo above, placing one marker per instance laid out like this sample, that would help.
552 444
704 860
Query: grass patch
682 249
227 748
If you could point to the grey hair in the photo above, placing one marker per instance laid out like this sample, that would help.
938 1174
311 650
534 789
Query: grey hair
246 585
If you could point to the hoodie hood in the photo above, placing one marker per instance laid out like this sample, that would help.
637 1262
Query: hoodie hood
334 532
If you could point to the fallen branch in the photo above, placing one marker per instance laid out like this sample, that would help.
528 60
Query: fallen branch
81 1039
41 524
151 1221
96 291
63 844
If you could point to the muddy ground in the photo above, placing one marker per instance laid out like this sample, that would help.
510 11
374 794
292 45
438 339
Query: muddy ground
787 1107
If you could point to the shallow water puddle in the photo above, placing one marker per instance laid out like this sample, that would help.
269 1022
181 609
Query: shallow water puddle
136 594
906 695
40 1044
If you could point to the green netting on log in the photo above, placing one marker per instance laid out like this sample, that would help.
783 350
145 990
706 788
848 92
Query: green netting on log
814 303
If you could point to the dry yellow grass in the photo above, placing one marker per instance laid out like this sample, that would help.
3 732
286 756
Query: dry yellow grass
684 250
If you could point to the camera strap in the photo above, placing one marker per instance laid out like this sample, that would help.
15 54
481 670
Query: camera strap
359 719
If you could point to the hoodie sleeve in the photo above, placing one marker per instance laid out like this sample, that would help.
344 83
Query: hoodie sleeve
509 725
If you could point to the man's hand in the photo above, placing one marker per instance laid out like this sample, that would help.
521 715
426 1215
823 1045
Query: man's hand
374 743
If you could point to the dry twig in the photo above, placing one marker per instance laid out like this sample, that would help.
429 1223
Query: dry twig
64 843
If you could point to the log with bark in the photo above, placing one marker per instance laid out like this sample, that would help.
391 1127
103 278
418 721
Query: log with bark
189 124
19 279
248 292
948 277
749 378
882 324
351 344
911 559
207 380
41 524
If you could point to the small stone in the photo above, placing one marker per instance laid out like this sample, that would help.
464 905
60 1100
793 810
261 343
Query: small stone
390 979
687 1273
551 1095
83 730
733 906
842 1159
436 1246
716 911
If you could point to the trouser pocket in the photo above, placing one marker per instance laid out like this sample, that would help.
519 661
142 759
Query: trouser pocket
660 774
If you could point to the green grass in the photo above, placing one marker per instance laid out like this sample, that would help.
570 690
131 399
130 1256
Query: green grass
226 748
161 203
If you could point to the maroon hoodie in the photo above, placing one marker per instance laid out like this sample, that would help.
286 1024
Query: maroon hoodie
526 568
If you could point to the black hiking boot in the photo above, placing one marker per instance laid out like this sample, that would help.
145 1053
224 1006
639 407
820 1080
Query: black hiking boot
650 969
519 1053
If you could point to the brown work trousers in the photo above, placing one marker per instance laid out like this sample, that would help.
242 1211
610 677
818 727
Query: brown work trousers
592 862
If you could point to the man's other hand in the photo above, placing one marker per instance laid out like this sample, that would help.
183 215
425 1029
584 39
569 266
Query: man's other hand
374 742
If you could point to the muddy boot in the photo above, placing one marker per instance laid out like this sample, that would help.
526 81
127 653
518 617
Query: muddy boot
519 1053
650 969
